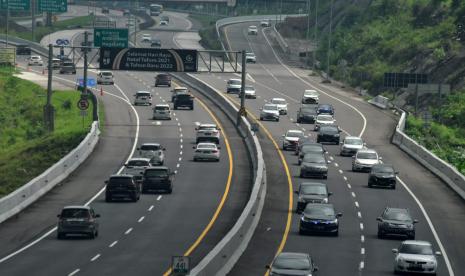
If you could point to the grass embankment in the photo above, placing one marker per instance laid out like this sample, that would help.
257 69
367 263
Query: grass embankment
76 22
209 37
26 149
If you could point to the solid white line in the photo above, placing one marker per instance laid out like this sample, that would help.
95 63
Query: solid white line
433 230
141 219
113 244
74 272
95 257
362 251
150 208
356 204
361 226
159 197
128 231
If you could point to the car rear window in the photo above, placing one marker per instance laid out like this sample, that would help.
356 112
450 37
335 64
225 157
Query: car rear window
156 173
234 82
139 94
120 180
138 163
367 155
311 158
107 74
68 64
314 190
150 147
75 213
162 108
163 76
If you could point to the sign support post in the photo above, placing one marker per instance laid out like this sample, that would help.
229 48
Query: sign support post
49 112
242 111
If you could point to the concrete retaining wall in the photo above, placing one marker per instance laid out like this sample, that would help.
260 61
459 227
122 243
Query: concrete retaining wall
18 200
443 170
222 258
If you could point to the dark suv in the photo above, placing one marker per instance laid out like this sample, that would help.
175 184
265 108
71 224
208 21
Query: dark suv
328 134
306 114
396 222
157 179
183 100
77 220
122 186
163 79
382 175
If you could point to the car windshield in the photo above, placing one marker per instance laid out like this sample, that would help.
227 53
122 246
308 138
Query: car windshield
156 173
68 64
311 148
207 128
325 118
163 76
353 141
314 158
234 82
150 147
138 163
162 108
206 147
396 215
330 130
75 213
278 101
291 263
249 88
141 94
294 134
313 190
310 93
367 155
382 169
107 74
308 110
319 211
270 107
422 249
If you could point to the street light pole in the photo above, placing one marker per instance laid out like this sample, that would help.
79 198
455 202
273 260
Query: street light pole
329 43
315 37
49 112
242 111
308 30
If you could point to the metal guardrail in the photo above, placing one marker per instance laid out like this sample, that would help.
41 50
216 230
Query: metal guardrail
221 259
380 101
448 173
18 200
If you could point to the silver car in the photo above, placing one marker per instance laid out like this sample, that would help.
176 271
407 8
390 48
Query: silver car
415 257
350 145
233 86
77 220
161 112
154 152
364 159
290 263
207 151
143 98
249 92
269 112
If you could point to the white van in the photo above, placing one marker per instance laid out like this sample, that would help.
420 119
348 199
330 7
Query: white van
143 98
161 112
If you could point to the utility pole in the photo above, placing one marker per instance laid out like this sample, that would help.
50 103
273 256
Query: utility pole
86 39
242 111
315 37
307 55
33 19
7 21
329 43
49 111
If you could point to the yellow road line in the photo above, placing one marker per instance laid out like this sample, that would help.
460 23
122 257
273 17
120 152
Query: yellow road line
226 191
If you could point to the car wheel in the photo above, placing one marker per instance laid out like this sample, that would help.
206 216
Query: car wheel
261 119
96 233
192 108
195 159
336 233
301 175
393 187
380 235
134 198
170 190
299 162
107 199
299 121
353 169
175 107
325 176
277 120
217 160
369 184
317 140
411 237
301 232
92 235
60 235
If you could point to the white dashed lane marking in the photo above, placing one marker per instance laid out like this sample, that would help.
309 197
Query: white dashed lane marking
356 204
159 197
177 165
141 219
362 238
74 272
345 178
349 186
362 251
113 244
336 164
353 194
128 231
340 171
359 214
150 208
362 265
95 257
361 226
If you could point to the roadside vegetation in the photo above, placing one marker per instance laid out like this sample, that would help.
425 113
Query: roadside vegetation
209 37
26 149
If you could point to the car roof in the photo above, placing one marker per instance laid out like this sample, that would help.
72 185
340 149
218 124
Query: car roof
157 168
252 26
312 184
180 88
270 104
123 175
139 159
279 99
294 131
396 209
292 255
143 92
207 125
105 71
325 106
367 150
206 144
353 137
77 207
235 80
325 115
150 144
318 205
164 105
418 242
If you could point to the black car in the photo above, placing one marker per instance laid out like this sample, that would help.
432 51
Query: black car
80 220
157 179
183 100
319 218
163 79
314 165
23 49
122 186
382 175
309 148
325 109
396 222
311 192
306 114
328 134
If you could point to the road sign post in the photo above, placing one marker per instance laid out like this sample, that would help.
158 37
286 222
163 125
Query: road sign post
111 37
180 265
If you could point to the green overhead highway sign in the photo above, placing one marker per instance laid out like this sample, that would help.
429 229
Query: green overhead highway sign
15 5
52 5
111 38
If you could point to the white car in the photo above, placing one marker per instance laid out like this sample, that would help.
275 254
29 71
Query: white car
104 77
269 112
250 92
136 166
282 105
35 60
163 22
153 151
162 112
206 151
265 23
415 256
364 159
207 132
310 97
143 98
252 30
291 139
233 86
250 57
350 145
324 119
146 38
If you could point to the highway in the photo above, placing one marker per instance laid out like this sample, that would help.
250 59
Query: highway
137 238
357 250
